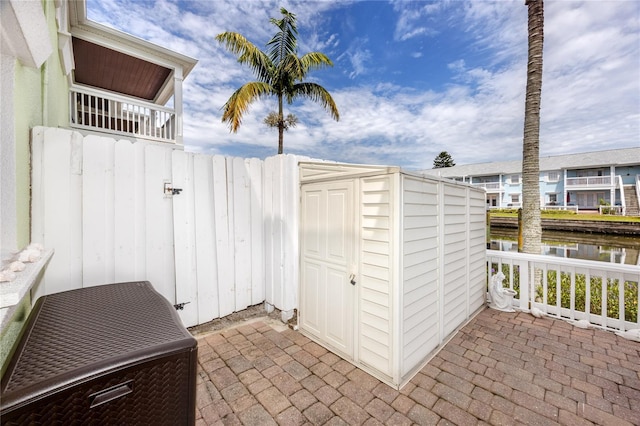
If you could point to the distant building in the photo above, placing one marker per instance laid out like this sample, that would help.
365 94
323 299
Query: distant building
575 181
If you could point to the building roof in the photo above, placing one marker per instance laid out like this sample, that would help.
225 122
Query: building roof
613 157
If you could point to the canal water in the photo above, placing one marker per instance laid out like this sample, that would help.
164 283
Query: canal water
575 245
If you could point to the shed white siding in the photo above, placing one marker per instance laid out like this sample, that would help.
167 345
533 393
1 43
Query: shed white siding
420 320
376 274
418 264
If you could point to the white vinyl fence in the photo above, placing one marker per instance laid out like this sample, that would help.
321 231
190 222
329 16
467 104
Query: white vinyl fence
112 212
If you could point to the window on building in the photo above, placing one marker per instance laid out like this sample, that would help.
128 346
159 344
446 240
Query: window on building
553 199
515 179
515 198
553 176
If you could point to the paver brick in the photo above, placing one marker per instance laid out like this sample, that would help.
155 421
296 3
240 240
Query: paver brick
480 410
250 376
255 415
238 364
451 395
630 415
263 363
398 419
567 418
349 411
453 413
343 367
213 365
599 403
362 379
600 417
259 385
379 409
455 382
223 377
335 379
422 415
296 370
318 413
273 400
305 358
499 369
385 393
289 417
234 391
560 401
423 397
285 383
302 399
321 369
312 383
329 358
327 395
403 404
356 393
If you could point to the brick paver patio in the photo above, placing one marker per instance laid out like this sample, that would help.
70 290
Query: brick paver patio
501 368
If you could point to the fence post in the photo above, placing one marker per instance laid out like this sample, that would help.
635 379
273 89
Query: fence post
525 291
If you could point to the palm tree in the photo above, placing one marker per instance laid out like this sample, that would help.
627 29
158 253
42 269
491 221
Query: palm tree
280 73
531 224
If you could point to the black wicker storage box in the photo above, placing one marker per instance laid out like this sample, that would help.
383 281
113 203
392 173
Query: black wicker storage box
114 354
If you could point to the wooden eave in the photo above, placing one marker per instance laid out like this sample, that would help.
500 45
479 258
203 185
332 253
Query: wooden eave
118 62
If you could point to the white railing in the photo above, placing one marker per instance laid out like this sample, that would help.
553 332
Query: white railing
572 289
488 185
574 208
589 181
637 188
612 210
620 186
97 110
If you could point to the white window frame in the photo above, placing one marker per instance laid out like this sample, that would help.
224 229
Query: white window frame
556 175
515 181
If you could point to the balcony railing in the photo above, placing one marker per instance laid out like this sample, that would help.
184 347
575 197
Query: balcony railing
605 294
96 110
496 186
590 181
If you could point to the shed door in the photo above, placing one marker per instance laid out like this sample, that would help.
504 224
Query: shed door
327 247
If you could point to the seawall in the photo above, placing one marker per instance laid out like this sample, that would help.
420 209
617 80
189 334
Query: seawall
586 226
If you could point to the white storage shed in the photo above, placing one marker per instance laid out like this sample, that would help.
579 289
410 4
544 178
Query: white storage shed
391 264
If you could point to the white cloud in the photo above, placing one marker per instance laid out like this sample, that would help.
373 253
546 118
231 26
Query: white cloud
590 92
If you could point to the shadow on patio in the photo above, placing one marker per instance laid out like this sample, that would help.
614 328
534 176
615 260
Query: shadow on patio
501 368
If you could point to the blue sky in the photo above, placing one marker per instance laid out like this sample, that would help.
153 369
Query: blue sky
410 78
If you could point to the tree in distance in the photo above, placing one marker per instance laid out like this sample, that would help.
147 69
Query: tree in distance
442 160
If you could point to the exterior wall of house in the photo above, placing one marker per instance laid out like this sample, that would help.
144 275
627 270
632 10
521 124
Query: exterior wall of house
33 94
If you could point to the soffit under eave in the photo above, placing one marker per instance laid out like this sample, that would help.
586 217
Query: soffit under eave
93 32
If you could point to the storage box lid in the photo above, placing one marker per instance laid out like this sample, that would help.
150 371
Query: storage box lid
81 333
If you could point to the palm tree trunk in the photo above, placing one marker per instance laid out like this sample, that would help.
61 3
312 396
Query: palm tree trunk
531 228
280 125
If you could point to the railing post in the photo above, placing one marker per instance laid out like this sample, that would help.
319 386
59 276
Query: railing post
525 292
177 102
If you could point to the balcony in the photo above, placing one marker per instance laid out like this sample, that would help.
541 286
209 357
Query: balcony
489 186
589 182
100 111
